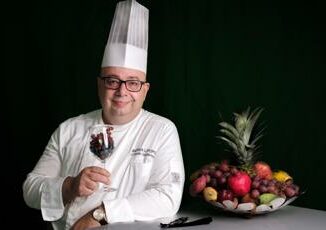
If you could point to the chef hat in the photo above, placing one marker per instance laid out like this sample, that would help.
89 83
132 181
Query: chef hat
128 39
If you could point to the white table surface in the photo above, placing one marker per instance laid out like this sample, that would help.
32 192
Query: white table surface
287 218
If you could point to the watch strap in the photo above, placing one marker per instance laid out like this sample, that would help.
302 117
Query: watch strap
103 221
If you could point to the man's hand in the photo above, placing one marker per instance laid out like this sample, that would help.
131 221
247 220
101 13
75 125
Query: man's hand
85 184
87 221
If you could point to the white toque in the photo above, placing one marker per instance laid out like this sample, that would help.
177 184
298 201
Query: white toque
128 39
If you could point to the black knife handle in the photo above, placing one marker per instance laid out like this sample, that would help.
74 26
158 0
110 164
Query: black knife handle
182 222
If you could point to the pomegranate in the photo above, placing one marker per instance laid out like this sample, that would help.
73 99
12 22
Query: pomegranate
239 183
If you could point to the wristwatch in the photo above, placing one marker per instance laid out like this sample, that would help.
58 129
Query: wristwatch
99 215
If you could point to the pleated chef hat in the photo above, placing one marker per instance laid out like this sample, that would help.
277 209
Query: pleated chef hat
128 39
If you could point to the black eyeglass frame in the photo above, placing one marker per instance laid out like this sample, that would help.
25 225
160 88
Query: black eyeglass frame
104 78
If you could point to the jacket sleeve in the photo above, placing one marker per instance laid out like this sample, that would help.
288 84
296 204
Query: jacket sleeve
163 193
42 187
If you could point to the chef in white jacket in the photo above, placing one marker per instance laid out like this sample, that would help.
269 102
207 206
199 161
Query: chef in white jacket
146 165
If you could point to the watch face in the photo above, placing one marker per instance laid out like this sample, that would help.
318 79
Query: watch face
98 214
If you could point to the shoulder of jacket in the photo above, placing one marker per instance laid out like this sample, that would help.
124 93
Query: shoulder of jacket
156 119
81 119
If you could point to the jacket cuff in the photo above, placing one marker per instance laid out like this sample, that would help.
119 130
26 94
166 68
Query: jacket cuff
52 207
118 210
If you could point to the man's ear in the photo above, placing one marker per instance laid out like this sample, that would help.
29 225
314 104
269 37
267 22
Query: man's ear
147 85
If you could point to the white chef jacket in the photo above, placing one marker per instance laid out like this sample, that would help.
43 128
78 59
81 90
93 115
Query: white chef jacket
146 168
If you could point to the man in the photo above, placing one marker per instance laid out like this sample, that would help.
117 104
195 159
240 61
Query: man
146 166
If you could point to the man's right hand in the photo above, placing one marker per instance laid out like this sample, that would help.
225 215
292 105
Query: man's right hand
85 183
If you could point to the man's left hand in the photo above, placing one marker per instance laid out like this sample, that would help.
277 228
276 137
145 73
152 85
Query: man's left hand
87 221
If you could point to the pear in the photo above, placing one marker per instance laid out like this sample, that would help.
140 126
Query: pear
266 198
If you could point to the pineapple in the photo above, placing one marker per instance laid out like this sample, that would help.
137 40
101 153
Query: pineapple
239 137
244 146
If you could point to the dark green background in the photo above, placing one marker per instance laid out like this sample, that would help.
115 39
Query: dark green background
207 59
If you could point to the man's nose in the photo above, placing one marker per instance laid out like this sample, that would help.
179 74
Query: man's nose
122 88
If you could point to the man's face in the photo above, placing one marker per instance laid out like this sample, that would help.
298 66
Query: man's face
121 105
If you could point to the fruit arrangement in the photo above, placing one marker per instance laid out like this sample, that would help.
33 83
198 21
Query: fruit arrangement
248 186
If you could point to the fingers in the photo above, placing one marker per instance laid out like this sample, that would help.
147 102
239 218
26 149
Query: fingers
95 177
98 174
99 170
87 181
90 185
83 186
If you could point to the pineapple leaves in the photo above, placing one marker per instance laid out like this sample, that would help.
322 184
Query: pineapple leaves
230 128
251 122
230 143
238 136
230 136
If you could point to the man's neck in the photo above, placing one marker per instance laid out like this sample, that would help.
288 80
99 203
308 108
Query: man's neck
114 119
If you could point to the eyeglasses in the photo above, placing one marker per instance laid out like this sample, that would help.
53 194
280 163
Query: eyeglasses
115 83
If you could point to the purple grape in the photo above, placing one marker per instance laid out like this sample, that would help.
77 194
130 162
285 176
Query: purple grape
272 189
234 170
224 167
218 173
289 191
213 182
255 184
262 188
225 195
221 180
255 193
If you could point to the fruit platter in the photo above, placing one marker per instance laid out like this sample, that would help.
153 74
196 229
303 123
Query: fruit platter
246 185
